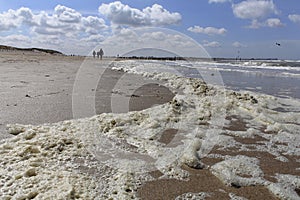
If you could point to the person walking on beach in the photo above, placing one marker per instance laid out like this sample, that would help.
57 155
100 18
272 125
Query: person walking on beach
94 53
101 53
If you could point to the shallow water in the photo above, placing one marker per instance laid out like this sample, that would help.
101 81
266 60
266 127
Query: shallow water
272 85
277 78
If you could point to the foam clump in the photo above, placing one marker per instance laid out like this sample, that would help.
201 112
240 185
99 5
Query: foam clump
193 196
236 197
286 186
34 166
239 171
190 156
15 129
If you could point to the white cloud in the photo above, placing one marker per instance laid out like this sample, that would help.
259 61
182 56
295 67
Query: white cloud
160 16
254 9
94 39
130 39
14 18
238 45
257 11
63 21
93 25
208 30
213 44
218 1
121 14
294 18
66 14
49 41
15 38
273 22
63 29
67 21
255 24
159 36
25 16
48 31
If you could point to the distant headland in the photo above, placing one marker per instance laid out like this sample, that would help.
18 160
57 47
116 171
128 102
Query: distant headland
10 48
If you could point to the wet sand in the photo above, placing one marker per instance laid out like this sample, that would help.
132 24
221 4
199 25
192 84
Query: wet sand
203 180
199 181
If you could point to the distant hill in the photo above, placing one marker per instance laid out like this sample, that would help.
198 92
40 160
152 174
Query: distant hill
10 48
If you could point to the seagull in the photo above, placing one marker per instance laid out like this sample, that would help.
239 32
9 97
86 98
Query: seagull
278 44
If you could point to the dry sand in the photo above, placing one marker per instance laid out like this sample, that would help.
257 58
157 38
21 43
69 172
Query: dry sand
37 88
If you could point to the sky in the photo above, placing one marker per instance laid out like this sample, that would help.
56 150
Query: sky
197 28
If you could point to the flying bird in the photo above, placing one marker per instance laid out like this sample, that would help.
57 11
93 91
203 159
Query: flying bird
278 44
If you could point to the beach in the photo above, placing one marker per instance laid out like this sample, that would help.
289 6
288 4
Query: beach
37 88
76 127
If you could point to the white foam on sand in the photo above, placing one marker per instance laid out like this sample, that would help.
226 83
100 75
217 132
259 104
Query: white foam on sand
236 197
193 196
109 155
239 171
285 187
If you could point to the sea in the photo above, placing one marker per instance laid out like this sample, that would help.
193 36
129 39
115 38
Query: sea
280 78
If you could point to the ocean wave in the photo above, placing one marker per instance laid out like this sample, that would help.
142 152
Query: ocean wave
272 68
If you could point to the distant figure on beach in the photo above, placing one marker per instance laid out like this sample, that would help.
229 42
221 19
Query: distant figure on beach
101 53
94 53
